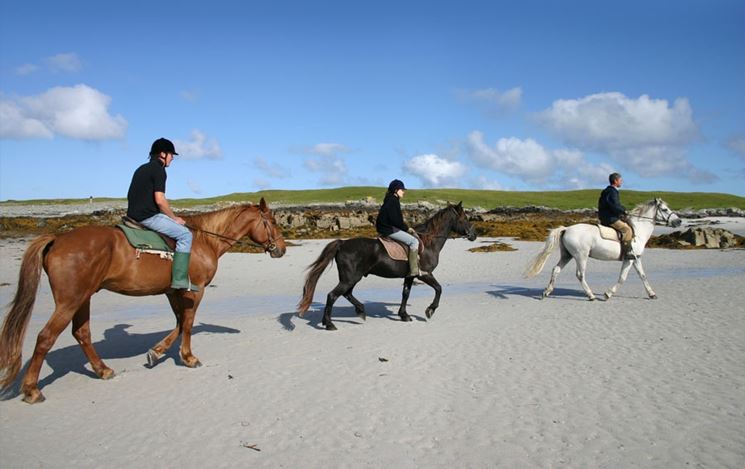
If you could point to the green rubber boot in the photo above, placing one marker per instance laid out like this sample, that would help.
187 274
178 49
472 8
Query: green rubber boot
180 272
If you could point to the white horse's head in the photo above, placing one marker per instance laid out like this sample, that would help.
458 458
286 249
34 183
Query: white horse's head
655 211
663 214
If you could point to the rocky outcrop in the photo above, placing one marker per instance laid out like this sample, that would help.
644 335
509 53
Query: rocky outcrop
699 237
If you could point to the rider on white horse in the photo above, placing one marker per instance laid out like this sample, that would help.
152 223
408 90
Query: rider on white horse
611 212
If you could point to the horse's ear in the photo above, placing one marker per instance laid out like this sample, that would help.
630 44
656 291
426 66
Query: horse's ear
263 206
460 204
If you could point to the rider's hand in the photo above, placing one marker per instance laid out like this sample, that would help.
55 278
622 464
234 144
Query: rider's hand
180 221
411 231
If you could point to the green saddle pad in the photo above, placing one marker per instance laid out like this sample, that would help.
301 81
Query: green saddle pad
145 239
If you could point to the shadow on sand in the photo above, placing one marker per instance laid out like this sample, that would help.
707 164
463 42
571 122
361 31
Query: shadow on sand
117 343
503 292
344 314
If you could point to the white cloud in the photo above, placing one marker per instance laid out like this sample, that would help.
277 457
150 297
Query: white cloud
194 186
525 159
646 135
333 169
199 147
26 69
531 162
272 170
493 101
434 171
69 62
328 149
482 182
78 112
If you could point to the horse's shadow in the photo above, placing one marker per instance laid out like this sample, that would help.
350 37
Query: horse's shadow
503 292
116 343
345 314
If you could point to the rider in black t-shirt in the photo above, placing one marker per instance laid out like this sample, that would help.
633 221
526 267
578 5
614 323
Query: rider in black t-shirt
148 205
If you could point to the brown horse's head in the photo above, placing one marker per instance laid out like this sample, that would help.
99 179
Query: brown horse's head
266 233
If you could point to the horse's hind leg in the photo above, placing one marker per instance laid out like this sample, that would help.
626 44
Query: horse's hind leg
155 353
565 258
408 282
342 288
82 332
57 323
359 308
581 276
625 267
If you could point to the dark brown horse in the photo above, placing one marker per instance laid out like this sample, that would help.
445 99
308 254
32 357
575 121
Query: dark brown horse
359 257
91 258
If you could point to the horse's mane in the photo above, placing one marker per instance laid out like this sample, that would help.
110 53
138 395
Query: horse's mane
429 228
643 207
217 220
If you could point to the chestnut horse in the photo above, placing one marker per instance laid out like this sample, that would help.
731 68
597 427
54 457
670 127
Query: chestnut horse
91 258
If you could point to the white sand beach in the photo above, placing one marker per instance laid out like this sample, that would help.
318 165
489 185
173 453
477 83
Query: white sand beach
497 378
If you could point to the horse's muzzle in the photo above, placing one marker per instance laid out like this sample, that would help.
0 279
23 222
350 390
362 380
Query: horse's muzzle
676 223
276 251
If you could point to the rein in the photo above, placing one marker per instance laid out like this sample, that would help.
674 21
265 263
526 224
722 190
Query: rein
270 245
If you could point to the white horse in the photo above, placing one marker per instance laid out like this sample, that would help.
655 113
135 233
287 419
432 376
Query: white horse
582 241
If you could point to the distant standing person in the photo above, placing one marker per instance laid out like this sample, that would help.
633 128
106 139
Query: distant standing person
390 222
611 212
147 204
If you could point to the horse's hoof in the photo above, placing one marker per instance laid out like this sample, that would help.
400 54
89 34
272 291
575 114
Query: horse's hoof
590 298
106 373
34 397
405 318
191 362
330 326
607 295
362 315
152 358
429 312
652 297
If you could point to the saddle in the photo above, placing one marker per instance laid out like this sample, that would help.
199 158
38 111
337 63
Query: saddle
397 250
609 233
143 239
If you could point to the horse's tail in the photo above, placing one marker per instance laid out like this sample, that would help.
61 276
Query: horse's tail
535 267
14 326
315 271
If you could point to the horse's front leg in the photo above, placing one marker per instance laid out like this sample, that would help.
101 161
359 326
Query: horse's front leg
190 302
430 280
642 275
625 267
408 282
155 353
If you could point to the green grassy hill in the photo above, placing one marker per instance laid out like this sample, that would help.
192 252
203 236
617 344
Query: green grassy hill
563 200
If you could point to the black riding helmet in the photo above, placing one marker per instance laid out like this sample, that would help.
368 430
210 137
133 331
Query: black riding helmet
395 185
162 145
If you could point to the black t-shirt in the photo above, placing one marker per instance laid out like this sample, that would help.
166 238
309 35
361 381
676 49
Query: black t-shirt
146 181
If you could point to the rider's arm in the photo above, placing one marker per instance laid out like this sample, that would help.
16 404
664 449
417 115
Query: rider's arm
165 208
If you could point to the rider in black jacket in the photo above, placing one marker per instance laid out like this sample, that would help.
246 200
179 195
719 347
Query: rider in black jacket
391 223
611 212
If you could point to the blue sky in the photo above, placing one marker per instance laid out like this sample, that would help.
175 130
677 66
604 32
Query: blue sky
295 95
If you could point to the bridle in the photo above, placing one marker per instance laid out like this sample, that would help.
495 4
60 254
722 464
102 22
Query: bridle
268 246
654 218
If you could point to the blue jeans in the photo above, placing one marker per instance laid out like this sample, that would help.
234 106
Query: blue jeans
165 225
407 239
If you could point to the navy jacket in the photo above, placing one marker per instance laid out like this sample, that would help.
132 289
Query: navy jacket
609 206
390 219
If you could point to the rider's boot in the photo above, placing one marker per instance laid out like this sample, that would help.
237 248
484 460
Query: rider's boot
180 272
414 263
628 250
